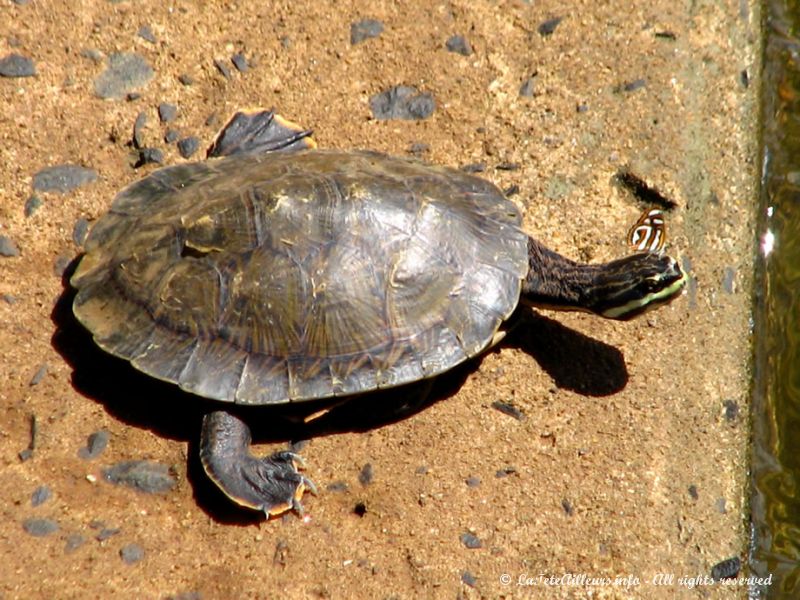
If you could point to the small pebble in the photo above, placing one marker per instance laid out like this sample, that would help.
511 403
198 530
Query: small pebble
138 130
527 89
567 506
459 44
507 166
125 73
402 102
728 280
473 481
39 527
470 541
41 371
149 155
337 486
508 409
418 148
62 178
171 136
32 204
7 247
511 190
80 231
364 30
185 79
505 472
96 443
92 54
240 62
27 454
366 474
726 569
548 27
167 112
16 65
60 264
40 495
720 505
474 168
8 299
731 410
222 68
74 541
421 470
145 476
106 533
188 146
146 34
468 579
132 553
131 96
632 86
693 493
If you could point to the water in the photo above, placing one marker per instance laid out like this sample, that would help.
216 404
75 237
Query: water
776 387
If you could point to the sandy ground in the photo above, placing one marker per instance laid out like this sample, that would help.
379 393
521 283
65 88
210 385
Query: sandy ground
631 458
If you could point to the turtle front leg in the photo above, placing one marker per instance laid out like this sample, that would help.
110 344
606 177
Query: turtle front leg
271 484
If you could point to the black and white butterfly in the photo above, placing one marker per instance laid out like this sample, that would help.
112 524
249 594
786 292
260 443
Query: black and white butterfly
649 234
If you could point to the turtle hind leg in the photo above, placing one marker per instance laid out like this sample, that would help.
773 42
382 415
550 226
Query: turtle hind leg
271 484
257 132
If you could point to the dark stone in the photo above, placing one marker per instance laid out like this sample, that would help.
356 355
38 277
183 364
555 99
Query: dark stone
505 472
188 146
132 553
80 231
32 204
27 454
145 476
40 495
402 102
92 54
39 375
473 168
726 569
548 27
468 579
131 96
459 44
473 481
96 443
337 486
632 86
39 527
239 61
567 506
9 298
511 190
7 247
62 178
146 34
106 533
364 30
222 68
731 410
693 492
360 509
126 72
186 79
149 155
508 409
74 541
507 166
167 112
728 280
471 541
16 65
581 108
172 136
418 148
366 475
527 89
60 264
138 128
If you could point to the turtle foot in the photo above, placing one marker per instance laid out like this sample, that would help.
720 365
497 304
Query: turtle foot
271 484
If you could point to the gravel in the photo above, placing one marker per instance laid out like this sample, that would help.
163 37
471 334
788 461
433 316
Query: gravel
132 553
364 30
145 476
7 247
459 44
96 443
167 112
188 146
402 102
16 65
62 178
126 72
39 527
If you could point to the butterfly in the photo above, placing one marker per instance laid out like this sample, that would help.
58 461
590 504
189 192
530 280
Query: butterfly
649 233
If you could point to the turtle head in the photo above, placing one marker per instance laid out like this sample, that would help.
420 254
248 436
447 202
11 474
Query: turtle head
627 287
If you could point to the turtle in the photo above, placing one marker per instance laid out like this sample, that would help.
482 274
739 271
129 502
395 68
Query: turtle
275 272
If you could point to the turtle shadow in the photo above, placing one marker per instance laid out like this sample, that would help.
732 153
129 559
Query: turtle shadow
573 360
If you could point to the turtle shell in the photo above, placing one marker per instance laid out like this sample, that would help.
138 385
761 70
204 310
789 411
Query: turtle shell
261 279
